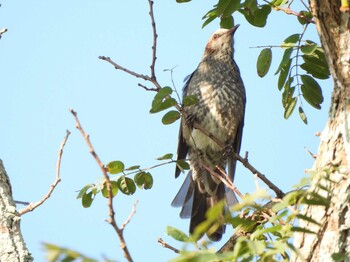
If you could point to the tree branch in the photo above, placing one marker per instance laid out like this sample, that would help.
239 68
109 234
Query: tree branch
111 220
166 245
151 78
33 206
244 161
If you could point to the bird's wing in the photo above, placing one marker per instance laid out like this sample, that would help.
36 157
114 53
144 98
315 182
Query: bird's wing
231 167
182 147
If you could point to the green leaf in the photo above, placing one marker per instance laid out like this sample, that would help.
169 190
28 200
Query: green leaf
311 90
177 234
302 230
182 164
304 16
316 65
226 22
165 157
190 100
87 199
302 115
115 167
126 185
144 180
308 219
132 168
209 16
285 59
290 106
290 41
162 101
170 117
114 186
309 47
163 92
227 7
284 72
84 189
255 15
162 105
183 1
264 62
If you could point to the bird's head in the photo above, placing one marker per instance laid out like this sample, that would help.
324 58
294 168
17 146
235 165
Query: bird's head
221 42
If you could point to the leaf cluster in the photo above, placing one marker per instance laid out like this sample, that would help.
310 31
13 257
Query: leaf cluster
122 183
264 227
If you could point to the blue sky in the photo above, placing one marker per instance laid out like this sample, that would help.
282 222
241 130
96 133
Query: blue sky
49 63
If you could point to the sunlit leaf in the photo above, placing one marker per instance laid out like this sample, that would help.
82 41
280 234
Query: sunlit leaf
115 167
162 105
311 90
144 180
177 234
165 157
132 168
182 164
309 47
170 117
114 186
290 41
87 199
284 72
126 185
285 59
226 22
302 115
264 62
84 189
290 107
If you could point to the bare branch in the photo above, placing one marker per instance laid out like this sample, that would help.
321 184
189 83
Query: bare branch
147 88
133 211
111 220
151 78
33 206
166 245
154 46
3 31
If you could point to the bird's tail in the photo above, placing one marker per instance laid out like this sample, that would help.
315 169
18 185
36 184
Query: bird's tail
195 203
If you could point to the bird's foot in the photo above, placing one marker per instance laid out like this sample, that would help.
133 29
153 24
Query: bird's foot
228 150
190 120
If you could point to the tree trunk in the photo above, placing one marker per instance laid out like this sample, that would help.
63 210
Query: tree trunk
12 246
331 168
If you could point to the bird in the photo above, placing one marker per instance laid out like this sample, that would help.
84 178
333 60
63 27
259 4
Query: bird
219 110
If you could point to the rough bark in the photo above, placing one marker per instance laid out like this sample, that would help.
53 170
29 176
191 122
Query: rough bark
331 167
12 245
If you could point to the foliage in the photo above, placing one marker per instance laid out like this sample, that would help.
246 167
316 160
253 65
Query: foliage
264 226
294 84
55 253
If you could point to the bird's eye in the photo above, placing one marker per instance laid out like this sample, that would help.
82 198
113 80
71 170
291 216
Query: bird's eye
216 36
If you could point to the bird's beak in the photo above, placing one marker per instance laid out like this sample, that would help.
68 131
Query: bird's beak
233 30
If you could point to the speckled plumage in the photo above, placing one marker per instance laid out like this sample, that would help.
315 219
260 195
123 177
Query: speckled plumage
220 110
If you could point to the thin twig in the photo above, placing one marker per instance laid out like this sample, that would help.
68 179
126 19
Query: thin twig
3 31
244 161
111 220
33 206
155 36
133 211
151 78
147 88
289 11
166 245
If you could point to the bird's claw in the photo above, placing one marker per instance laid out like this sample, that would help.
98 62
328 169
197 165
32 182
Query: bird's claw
189 120
228 150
